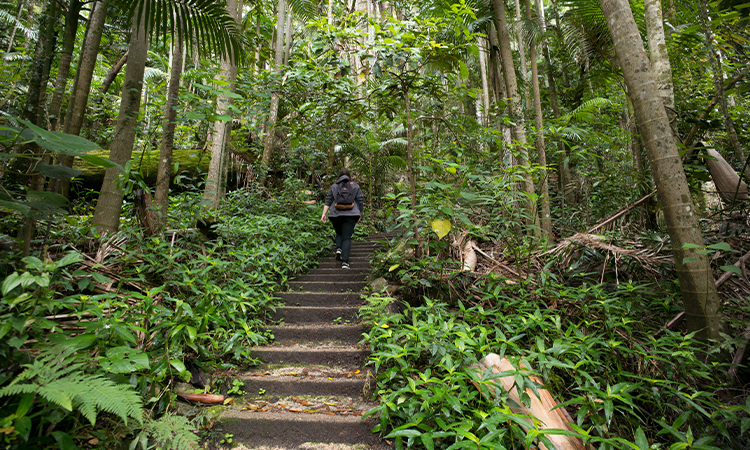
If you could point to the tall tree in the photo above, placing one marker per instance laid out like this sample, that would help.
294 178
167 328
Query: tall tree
657 48
696 280
511 90
544 208
106 218
274 110
215 181
63 67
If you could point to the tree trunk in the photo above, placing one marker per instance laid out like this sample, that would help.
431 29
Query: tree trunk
112 74
288 38
40 66
164 171
485 82
410 155
63 70
215 181
274 110
13 33
657 47
696 280
107 213
544 208
79 94
719 84
498 81
511 90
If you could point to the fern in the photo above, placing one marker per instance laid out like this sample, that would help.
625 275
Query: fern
69 387
172 432
376 308
586 110
8 18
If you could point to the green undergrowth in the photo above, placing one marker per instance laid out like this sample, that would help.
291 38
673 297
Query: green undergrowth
597 351
92 349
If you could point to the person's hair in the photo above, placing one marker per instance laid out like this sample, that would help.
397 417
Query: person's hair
344 171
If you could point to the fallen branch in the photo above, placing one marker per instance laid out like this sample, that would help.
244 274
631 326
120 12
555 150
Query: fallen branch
621 212
209 399
739 355
726 275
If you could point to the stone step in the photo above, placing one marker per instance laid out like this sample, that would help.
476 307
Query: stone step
353 264
349 357
300 384
316 314
349 334
292 430
326 286
320 298
333 273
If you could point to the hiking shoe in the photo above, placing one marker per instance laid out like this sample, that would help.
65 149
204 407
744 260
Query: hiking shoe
344 265
338 254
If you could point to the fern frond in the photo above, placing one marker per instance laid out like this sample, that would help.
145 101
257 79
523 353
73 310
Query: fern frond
173 433
10 19
585 110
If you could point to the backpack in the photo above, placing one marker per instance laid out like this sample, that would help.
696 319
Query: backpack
344 200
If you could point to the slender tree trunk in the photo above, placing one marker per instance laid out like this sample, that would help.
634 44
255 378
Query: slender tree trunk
521 44
63 70
164 173
696 280
566 80
657 47
274 110
410 155
112 74
544 208
107 213
485 106
79 94
13 33
498 82
288 38
511 89
719 84
216 180
40 66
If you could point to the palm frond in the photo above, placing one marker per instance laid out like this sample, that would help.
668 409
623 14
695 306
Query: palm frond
306 9
205 24
586 110
10 19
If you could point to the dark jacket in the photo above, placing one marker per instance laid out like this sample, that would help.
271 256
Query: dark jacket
358 200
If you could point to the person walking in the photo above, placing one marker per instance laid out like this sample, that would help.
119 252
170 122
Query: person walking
344 204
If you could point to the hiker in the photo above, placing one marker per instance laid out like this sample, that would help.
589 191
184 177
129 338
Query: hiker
346 198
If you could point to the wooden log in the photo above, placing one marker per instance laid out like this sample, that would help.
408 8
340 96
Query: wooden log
209 399
542 408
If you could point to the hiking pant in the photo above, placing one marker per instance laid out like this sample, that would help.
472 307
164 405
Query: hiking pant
344 226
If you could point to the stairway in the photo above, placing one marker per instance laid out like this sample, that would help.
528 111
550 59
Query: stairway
309 392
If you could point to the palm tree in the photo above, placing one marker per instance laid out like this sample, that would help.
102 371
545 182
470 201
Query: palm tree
696 280
208 27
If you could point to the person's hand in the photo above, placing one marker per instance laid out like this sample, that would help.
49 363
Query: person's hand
323 218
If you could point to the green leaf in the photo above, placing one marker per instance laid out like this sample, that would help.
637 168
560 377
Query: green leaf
404 433
427 441
734 269
64 440
4 329
99 161
125 360
54 141
721 246
689 260
464 70
57 171
640 439
689 245
394 267
80 342
177 365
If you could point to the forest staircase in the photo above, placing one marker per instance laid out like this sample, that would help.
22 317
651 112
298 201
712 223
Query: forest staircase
312 390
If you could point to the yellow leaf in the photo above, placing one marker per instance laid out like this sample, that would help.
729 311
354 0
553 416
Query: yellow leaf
451 170
330 378
384 326
229 401
441 227
393 267
356 371
362 77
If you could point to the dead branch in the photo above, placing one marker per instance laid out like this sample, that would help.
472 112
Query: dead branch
726 275
739 355
621 212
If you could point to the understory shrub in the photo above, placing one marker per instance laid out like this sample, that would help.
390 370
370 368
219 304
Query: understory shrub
626 385
136 317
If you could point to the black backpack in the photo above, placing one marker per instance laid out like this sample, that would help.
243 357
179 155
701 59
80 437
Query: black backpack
344 199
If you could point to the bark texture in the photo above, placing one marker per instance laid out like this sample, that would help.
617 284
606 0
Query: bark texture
274 110
107 213
215 182
696 280
164 170
63 67
657 47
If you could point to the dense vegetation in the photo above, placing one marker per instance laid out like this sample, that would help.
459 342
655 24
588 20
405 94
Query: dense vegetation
511 145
